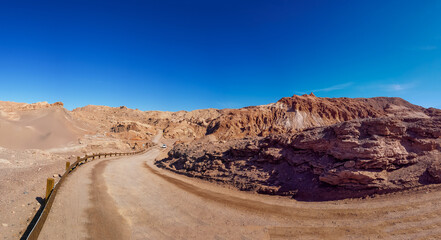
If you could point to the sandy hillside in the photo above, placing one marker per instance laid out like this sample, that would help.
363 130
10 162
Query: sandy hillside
39 129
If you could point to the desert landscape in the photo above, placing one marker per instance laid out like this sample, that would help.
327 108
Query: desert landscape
348 159
219 120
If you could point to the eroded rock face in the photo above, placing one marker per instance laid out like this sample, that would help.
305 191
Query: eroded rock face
296 113
288 115
435 170
348 159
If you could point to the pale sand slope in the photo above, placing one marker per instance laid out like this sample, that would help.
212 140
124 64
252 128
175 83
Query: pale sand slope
129 198
39 129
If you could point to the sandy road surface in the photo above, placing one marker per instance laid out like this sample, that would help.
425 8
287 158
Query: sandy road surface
129 198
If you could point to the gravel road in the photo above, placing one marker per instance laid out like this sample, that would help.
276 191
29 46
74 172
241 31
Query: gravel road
130 198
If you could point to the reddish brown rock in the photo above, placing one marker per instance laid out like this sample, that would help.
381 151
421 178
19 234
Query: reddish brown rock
435 170
293 114
349 159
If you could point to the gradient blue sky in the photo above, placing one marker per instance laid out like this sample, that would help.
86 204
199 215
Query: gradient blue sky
185 55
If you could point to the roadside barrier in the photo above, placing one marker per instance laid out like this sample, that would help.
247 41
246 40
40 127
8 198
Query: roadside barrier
36 225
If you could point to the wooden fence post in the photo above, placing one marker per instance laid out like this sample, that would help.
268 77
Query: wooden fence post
49 186
67 166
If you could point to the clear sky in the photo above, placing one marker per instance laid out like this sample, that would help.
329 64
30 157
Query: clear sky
185 55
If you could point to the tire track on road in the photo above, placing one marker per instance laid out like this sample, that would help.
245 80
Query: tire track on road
105 222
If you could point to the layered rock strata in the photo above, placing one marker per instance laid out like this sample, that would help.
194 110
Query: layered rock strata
349 159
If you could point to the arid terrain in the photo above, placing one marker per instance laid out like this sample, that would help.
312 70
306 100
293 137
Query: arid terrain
301 148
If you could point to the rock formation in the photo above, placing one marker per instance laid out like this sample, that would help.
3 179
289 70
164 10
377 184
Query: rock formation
338 148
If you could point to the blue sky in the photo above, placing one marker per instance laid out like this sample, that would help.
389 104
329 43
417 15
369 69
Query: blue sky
185 55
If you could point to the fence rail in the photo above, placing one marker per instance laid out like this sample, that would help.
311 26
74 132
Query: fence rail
36 225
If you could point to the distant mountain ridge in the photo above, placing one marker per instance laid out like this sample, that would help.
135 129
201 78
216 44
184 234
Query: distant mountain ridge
288 115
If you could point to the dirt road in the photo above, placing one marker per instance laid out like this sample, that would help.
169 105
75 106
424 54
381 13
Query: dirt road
129 198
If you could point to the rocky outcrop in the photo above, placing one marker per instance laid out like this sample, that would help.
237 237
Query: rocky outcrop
348 159
177 125
294 114
125 127
435 170
288 115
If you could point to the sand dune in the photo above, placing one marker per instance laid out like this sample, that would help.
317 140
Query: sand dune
41 129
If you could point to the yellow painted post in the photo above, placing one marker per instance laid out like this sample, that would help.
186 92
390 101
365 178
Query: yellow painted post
67 166
49 186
